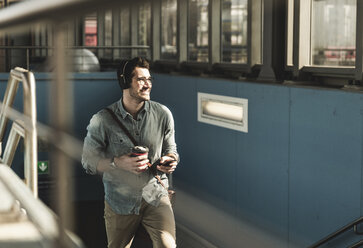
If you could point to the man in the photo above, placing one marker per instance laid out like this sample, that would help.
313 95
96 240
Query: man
133 195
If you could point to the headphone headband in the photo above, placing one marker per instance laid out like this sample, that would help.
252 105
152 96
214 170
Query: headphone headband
123 72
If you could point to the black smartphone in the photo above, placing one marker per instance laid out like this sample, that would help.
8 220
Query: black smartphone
167 163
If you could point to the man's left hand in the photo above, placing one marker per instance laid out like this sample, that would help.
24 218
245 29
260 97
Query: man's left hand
170 167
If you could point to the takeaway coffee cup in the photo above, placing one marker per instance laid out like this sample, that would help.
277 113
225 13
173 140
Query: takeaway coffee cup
138 151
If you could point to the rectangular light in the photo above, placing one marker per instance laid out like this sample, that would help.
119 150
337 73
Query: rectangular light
224 111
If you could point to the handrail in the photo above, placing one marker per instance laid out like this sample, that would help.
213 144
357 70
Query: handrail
16 132
18 75
65 142
26 13
358 244
78 47
338 232
28 48
36 211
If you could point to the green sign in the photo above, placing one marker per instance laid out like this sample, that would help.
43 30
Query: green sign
43 167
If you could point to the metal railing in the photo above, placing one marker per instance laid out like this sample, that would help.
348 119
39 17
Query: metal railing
20 129
31 56
342 230
36 212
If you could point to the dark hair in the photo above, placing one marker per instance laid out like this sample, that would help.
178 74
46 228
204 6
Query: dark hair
125 72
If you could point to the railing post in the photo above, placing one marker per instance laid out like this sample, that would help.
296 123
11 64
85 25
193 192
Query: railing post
9 96
30 135
27 59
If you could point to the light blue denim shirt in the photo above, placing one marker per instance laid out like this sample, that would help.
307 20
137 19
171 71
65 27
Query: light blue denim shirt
153 128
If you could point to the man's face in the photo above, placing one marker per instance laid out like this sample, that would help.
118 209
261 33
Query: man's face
141 84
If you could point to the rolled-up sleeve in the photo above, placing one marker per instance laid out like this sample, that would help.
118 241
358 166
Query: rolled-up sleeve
94 145
169 145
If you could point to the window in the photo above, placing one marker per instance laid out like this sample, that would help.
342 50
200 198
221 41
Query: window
226 34
144 27
325 39
333 32
40 36
108 34
198 30
90 30
234 31
169 29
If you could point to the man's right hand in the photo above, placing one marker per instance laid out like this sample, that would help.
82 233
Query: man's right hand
135 165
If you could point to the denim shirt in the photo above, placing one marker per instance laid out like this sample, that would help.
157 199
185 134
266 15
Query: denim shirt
153 128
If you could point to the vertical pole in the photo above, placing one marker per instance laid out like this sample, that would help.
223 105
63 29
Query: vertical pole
182 30
214 32
359 43
7 43
156 32
101 33
27 59
267 72
61 119
302 30
134 28
30 137
116 32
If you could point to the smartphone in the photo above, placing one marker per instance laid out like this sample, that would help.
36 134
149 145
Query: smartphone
167 163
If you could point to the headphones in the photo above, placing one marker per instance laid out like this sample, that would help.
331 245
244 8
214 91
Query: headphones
124 85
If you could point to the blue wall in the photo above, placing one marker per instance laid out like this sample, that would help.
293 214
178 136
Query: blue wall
298 170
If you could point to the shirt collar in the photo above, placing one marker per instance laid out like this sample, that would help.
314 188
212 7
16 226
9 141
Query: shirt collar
124 113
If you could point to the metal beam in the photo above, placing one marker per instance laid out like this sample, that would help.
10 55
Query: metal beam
214 31
267 72
26 13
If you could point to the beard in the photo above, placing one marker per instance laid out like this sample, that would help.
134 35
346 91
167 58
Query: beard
140 95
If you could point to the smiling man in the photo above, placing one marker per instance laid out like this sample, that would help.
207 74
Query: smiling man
134 195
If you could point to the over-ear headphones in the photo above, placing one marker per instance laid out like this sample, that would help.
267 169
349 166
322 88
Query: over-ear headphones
123 83
126 69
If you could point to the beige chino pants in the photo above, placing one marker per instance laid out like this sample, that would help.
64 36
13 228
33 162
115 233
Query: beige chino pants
158 221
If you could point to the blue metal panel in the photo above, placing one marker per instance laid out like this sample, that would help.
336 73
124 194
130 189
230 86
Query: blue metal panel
262 168
216 149
325 162
285 172
246 173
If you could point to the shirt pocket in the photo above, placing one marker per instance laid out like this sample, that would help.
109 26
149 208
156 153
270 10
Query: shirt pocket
118 145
